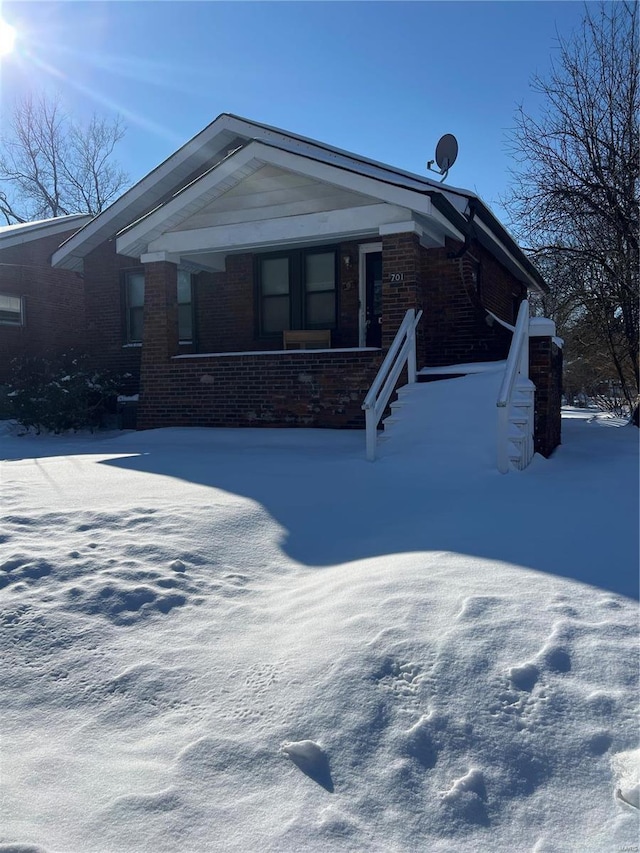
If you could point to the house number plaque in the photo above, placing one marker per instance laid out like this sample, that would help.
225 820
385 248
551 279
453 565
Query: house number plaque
397 277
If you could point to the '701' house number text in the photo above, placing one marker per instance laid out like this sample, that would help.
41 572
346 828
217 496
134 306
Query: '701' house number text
396 277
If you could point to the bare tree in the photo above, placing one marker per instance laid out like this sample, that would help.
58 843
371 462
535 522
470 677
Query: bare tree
51 165
575 195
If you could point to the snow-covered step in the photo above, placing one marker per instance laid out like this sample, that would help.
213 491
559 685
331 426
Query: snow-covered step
516 457
464 369
418 419
389 421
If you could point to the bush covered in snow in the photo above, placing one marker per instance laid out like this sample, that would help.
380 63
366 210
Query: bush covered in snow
59 395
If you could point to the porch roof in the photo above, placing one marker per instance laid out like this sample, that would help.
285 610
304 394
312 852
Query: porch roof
359 205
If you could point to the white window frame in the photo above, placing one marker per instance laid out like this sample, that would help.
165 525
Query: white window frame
129 341
191 307
21 319
364 249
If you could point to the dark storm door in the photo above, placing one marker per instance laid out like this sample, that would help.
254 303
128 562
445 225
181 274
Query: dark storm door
373 296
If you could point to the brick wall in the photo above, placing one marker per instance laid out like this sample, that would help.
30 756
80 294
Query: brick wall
297 389
160 313
456 326
106 341
227 313
401 284
498 289
545 371
54 302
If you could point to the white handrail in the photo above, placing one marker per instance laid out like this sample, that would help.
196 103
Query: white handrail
517 366
403 349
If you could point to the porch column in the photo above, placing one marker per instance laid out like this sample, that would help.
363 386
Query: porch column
401 277
160 332
545 371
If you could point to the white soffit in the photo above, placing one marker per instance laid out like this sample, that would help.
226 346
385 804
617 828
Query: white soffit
244 163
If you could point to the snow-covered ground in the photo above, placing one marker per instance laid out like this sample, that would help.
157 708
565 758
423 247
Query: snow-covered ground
228 640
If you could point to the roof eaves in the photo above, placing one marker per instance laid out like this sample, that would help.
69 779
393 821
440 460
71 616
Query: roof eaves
501 233
151 179
25 232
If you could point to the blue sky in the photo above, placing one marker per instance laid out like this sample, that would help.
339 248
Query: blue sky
384 79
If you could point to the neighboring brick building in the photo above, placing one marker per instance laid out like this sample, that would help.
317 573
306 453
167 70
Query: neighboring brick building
194 275
41 308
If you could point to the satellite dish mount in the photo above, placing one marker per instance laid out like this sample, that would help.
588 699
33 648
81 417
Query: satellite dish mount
446 154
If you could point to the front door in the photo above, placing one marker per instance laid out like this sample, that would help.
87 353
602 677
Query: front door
373 298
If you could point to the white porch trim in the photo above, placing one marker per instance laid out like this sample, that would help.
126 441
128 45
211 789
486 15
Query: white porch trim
158 257
286 230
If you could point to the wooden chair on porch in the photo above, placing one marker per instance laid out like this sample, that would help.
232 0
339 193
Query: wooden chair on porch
306 339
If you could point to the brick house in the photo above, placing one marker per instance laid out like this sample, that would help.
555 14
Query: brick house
196 275
41 309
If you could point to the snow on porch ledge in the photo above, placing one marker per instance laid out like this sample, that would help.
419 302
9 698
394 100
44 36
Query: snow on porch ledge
276 352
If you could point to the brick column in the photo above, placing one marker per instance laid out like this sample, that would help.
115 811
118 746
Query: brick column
545 371
401 282
160 334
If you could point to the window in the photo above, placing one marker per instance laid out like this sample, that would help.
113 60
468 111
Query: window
134 305
185 306
11 310
276 295
297 290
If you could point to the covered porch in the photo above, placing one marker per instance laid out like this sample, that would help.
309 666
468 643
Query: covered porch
272 241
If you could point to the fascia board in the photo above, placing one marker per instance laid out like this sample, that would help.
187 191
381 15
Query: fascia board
244 126
505 241
28 231
526 275
199 193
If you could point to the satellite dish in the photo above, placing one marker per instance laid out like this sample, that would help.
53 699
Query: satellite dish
446 154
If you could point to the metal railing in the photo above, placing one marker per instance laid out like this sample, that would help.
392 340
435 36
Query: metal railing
401 351
517 367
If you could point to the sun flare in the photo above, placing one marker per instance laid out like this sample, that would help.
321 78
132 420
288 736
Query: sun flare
7 38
